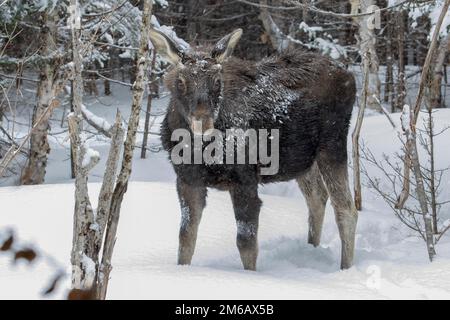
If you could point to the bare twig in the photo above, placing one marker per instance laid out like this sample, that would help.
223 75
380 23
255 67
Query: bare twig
355 138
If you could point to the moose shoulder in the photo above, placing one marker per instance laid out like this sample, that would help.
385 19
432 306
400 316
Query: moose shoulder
307 99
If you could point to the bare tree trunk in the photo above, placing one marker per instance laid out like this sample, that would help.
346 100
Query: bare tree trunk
149 107
34 172
125 172
355 137
388 86
411 146
104 203
83 251
109 179
191 23
422 85
14 150
401 81
305 13
277 38
420 189
106 82
72 154
89 228
367 48
404 194
432 177
429 57
436 100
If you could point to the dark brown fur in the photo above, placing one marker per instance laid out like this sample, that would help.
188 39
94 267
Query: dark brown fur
308 97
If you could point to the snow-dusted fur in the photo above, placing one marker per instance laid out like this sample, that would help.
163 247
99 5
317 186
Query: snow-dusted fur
308 97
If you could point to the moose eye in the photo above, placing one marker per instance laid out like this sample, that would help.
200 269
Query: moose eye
181 85
217 86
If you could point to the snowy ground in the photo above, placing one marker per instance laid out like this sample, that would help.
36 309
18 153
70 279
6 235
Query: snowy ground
390 262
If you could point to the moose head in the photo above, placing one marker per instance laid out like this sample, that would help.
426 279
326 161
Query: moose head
196 81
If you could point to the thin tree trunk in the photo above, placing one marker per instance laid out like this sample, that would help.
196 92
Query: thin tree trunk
72 152
436 100
305 12
432 177
83 251
191 23
430 55
14 150
388 92
125 172
355 137
401 81
367 48
277 38
422 85
34 172
104 201
420 189
106 82
149 107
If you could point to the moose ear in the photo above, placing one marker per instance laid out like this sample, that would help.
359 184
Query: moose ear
224 48
165 47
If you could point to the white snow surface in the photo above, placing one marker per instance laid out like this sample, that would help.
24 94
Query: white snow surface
390 261
288 268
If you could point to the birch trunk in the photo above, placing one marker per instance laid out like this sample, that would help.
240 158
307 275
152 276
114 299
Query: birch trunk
436 100
34 172
420 189
432 183
389 78
277 38
401 82
355 138
83 251
430 54
122 180
423 80
14 150
367 50
191 23
104 202
151 93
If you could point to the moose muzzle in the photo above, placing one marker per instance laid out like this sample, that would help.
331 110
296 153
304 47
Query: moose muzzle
201 120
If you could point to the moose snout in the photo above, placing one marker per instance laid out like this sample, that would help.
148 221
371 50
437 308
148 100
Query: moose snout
201 120
201 126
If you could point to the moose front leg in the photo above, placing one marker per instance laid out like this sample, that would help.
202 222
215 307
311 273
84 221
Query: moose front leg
246 204
192 201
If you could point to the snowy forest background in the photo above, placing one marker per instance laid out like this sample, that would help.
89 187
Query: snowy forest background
73 90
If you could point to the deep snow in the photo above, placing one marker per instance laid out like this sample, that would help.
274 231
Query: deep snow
390 261
288 268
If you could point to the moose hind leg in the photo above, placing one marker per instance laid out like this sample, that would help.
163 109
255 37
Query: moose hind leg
316 197
335 175
246 204
192 201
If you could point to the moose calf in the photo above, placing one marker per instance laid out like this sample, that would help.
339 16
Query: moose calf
307 97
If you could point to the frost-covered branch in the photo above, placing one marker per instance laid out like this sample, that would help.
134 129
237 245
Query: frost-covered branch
97 122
